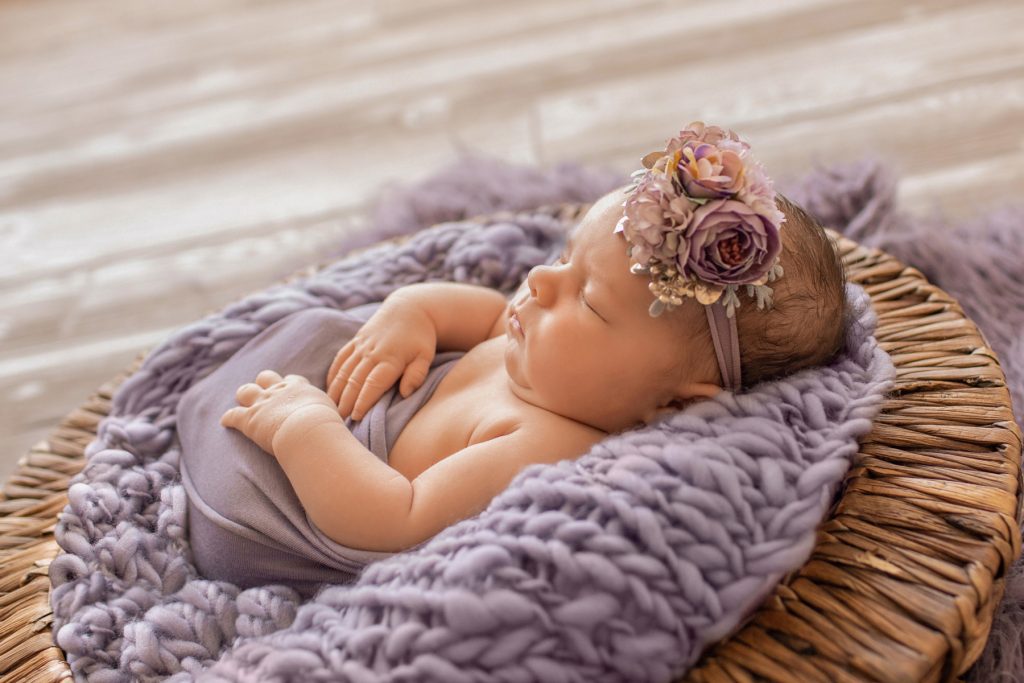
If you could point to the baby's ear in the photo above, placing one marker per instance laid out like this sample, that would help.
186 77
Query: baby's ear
688 394
695 391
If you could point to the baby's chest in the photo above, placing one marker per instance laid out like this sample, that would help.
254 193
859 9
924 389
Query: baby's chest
470 405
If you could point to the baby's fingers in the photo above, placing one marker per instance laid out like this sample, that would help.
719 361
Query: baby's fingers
247 394
267 378
343 353
349 388
343 376
377 382
232 417
414 376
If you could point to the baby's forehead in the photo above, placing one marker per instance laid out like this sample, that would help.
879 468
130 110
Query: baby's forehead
608 255
601 219
608 206
607 266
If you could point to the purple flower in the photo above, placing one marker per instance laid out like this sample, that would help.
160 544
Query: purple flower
729 244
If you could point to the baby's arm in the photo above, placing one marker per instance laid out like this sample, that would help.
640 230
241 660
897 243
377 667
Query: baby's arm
464 484
360 502
402 336
463 314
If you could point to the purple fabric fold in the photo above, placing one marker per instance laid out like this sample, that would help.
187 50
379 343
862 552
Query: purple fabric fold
246 525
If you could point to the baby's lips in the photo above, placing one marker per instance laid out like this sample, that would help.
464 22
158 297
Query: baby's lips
516 322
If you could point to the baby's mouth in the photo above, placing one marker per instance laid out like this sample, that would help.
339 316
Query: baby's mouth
516 324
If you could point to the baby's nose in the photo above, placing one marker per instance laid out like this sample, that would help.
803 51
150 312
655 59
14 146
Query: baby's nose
541 283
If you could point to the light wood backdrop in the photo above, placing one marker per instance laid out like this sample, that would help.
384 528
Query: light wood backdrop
158 160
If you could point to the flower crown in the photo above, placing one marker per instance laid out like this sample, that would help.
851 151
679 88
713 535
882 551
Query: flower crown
701 219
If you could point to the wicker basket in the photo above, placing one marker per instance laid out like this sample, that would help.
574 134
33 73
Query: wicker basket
905 574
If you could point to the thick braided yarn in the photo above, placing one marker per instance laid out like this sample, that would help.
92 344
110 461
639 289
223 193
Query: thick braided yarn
623 564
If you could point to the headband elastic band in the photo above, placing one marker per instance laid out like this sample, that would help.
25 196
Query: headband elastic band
727 344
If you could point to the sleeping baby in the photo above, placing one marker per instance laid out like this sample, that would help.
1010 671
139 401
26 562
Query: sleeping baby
346 436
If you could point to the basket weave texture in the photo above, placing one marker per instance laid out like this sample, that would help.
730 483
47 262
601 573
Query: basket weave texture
905 574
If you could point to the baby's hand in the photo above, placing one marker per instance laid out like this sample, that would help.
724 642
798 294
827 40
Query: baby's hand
399 340
274 405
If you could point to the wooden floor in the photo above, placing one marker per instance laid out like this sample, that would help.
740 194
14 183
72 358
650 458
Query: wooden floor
160 159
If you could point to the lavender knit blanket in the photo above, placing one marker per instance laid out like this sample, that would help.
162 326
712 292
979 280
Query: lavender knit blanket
624 564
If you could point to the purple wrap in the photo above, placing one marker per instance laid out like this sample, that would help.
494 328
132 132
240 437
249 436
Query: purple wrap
245 522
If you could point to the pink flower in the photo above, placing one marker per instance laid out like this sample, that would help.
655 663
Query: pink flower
708 172
654 215
713 135
757 191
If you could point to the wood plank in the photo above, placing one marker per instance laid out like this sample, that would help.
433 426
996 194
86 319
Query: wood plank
959 174
966 188
158 161
288 91
876 62
71 334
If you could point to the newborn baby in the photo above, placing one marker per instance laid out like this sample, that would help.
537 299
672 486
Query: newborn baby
575 356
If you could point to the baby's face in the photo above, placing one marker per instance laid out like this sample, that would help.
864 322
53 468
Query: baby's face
589 349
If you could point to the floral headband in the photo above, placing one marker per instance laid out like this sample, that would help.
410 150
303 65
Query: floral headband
701 220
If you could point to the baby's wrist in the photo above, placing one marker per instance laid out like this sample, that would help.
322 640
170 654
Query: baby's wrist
297 427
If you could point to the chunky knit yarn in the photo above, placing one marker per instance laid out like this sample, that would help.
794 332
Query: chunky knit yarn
623 564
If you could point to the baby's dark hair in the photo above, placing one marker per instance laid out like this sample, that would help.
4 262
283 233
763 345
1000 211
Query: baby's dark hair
805 327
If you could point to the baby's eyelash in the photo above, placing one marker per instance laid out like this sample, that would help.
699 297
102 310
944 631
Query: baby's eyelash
587 304
563 258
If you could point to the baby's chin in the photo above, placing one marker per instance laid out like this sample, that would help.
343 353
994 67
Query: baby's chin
510 364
